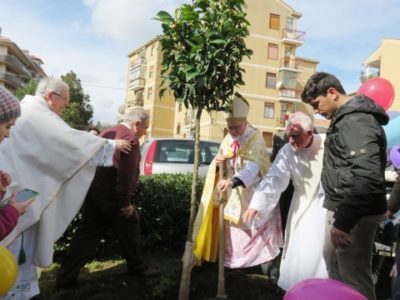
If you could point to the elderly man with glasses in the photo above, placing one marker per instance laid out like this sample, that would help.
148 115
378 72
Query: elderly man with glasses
300 160
47 155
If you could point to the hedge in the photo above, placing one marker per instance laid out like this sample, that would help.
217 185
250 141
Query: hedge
163 202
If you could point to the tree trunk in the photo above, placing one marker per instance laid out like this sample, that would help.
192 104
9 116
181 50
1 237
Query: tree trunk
188 260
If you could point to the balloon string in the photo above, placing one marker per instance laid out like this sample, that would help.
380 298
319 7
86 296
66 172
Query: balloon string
22 255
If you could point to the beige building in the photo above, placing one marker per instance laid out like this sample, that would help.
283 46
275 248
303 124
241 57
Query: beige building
384 62
143 87
17 66
273 79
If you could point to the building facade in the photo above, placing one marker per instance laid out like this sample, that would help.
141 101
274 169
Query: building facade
274 77
17 66
384 62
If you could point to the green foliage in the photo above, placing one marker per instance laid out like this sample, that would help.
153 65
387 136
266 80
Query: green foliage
28 89
163 202
80 111
203 45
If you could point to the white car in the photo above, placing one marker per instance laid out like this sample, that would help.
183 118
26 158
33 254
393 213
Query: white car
175 155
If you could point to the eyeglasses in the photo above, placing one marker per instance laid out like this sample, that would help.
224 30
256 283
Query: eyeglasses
57 94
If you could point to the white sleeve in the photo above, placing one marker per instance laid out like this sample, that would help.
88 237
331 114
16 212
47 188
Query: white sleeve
248 174
104 157
268 192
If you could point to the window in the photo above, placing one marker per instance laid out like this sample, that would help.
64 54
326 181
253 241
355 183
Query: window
182 151
268 137
285 110
178 128
134 72
274 21
272 51
179 107
151 71
269 110
153 47
149 93
289 24
270 81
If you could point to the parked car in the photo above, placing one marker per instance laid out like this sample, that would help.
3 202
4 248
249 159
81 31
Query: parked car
175 155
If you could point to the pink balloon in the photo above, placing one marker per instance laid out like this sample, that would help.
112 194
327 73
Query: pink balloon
326 289
378 89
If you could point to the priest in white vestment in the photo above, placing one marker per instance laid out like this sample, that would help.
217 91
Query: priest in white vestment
246 158
48 156
299 160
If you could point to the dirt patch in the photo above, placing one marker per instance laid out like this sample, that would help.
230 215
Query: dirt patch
105 280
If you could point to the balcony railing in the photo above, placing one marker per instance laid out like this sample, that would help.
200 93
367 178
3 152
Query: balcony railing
291 95
289 63
293 36
11 79
137 84
13 63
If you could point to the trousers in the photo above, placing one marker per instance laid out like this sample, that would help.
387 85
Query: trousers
353 264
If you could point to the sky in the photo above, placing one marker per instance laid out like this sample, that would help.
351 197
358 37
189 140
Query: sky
94 37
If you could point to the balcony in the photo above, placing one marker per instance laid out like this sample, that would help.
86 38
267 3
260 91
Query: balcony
137 84
139 61
14 64
293 37
290 64
289 95
11 80
138 101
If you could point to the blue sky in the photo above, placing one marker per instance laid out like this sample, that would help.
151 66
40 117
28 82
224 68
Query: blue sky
93 37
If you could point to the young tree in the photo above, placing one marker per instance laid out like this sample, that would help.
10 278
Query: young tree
79 112
203 45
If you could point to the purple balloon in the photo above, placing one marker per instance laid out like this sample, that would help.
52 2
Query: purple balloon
326 289
395 156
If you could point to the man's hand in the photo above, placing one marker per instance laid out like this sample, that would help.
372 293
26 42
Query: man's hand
249 215
223 185
123 146
127 211
340 239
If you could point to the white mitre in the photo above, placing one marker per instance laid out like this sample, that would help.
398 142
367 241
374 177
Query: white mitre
240 108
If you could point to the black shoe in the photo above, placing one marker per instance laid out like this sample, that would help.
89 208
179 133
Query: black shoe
36 297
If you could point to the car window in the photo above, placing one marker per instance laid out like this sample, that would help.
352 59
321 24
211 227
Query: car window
175 151
182 151
208 150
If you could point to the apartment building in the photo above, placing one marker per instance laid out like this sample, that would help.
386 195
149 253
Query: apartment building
17 66
143 87
274 77
384 62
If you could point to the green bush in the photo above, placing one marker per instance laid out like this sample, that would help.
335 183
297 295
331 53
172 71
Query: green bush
163 202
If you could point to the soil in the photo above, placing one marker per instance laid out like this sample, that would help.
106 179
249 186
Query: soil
106 280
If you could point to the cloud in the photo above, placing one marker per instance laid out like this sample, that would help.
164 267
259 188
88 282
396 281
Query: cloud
128 21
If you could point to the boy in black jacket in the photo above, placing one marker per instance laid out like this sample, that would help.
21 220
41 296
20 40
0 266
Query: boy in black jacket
353 178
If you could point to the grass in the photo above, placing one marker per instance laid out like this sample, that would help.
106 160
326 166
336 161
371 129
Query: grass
104 280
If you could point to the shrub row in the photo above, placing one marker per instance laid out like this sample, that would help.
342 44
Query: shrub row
163 202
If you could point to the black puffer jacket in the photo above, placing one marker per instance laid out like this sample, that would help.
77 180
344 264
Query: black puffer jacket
354 162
